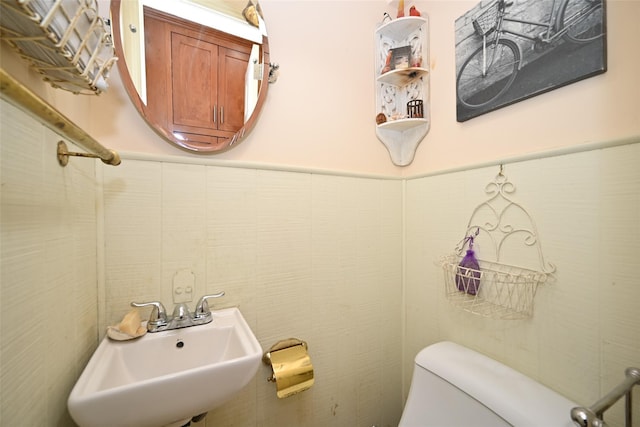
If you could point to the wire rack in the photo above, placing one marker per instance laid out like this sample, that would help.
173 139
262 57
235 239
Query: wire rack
500 291
497 289
64 40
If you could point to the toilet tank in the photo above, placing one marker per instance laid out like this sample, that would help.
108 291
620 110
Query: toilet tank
454 386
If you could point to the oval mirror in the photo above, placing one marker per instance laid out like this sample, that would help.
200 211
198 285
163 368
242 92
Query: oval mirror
196 70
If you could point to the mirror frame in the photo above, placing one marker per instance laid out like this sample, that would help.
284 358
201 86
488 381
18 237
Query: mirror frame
142 108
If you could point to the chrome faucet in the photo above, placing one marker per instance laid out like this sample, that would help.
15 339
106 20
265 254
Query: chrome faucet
181 317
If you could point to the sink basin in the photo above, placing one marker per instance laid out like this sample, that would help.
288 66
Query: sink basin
166 378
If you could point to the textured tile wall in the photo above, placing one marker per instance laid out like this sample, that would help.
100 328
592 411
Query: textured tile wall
586 326
48 278
313 256
316 257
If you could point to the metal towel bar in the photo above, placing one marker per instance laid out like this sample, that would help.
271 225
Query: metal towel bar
20 96
592 416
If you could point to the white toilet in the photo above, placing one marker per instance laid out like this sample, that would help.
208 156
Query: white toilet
454 386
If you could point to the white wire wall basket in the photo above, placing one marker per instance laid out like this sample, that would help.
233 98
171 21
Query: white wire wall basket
64 40
501 229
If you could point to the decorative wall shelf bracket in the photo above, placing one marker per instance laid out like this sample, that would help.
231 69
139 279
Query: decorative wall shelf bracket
504 234
402 137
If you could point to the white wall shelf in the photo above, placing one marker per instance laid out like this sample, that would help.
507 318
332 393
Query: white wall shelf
402 125
402 77
396 87
398 29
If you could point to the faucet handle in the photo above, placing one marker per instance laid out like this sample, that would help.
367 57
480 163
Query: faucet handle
158 314
202 308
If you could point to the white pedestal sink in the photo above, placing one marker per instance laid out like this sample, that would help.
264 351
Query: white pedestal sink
165 378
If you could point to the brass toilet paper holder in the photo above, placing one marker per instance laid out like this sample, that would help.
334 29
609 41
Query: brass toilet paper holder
292 370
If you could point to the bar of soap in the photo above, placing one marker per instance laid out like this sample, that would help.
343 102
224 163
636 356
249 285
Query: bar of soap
130 323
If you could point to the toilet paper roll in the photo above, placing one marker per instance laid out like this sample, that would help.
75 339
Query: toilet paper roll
292 370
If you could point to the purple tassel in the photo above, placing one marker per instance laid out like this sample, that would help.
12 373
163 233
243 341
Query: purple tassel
468 272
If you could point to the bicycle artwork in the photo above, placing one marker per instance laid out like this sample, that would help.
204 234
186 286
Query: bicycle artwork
508 51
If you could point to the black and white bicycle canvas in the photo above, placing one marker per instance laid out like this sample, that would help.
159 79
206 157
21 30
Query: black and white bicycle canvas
508 51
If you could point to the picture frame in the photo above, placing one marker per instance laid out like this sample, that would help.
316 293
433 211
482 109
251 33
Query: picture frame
400 57
507 52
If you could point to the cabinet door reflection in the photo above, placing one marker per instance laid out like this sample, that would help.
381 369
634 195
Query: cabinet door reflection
199 87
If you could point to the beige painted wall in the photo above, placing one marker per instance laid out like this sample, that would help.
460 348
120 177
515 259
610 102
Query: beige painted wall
327 77
320 113
601 108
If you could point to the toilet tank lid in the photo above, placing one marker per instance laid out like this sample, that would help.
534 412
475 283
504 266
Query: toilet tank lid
518 399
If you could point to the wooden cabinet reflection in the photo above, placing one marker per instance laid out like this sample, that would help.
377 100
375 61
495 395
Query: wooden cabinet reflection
195 79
